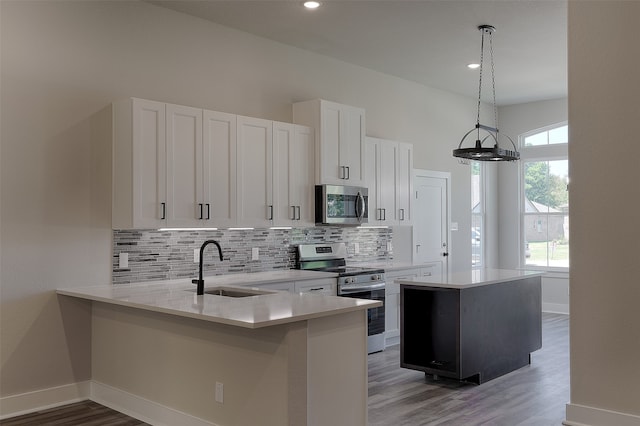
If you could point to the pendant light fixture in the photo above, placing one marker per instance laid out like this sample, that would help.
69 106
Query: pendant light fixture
486 133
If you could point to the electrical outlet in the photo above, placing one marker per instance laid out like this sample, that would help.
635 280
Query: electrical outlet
389 246
220 392
255 253
123 260
356 248
196 255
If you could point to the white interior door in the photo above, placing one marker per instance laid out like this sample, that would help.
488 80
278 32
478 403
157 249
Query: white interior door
431 218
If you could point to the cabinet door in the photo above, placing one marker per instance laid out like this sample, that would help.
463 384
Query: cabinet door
404 188
331 135
371 154
387 161
392 305
149 164
352 145
255 174
381 178
219 169
301 180
184 166
284 202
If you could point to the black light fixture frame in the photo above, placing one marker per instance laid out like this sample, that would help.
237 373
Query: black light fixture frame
479 152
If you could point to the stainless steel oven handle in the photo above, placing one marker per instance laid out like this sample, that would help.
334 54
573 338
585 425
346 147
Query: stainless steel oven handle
361 289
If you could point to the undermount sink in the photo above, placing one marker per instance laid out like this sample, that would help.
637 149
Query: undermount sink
234 292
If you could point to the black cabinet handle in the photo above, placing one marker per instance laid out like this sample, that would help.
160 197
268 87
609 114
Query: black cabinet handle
208 211
298 218
200 205
270 213
401 214
164 211
293 212
348 173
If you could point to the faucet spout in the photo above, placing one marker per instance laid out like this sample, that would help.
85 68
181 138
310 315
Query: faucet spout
200 281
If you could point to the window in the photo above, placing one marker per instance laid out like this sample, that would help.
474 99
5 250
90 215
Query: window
545 211
477 214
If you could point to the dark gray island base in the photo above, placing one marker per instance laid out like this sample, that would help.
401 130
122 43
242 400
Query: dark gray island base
473 326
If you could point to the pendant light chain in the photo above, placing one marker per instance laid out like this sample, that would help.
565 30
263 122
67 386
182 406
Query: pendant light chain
493 80
480 84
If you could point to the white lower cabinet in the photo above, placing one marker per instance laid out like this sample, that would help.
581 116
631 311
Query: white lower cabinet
392 303
281 286
325 286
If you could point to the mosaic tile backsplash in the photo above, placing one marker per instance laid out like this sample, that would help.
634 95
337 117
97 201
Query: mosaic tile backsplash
163 255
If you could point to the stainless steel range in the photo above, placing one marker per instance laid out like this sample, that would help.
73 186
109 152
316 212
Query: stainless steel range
358 282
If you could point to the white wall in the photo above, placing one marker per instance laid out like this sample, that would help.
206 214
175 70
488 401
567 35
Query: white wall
605 200
514 121
64 62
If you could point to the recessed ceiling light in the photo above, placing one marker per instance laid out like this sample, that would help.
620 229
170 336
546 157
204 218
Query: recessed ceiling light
473 66
311 4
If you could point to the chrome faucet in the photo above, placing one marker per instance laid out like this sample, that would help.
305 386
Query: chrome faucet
200 281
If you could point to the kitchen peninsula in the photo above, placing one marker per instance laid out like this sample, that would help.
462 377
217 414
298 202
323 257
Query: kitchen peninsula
270 358
473 325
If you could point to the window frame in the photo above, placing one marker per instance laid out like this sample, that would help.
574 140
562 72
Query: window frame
538 153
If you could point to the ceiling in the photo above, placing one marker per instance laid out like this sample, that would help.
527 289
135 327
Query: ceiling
429 42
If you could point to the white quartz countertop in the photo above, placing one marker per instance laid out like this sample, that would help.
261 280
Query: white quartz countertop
471 278
177 297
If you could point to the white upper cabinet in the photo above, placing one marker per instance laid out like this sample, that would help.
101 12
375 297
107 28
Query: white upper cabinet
390 182
219 169
139 164
404 191
182 167
340 131
255 172
293 165
185 197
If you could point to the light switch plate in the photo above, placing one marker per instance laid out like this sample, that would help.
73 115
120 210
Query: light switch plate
196 255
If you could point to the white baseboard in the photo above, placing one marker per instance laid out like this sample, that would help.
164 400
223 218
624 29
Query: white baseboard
555 308
581 415
29 402
141 408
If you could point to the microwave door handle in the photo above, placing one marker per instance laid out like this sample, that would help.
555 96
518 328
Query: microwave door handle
360 202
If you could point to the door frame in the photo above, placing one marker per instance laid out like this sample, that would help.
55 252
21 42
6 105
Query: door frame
422 173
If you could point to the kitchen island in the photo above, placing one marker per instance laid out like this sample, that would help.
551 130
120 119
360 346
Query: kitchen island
473 325
166 355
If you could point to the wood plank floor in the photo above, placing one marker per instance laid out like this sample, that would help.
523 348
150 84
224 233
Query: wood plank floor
531 396
534 395
85 413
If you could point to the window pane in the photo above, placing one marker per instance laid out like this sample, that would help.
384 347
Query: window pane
477 212
546 220
559 135
537 139
553 136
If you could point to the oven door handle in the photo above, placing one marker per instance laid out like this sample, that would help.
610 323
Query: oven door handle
361 289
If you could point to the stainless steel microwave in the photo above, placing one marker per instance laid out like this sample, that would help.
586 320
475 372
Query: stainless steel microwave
341 205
